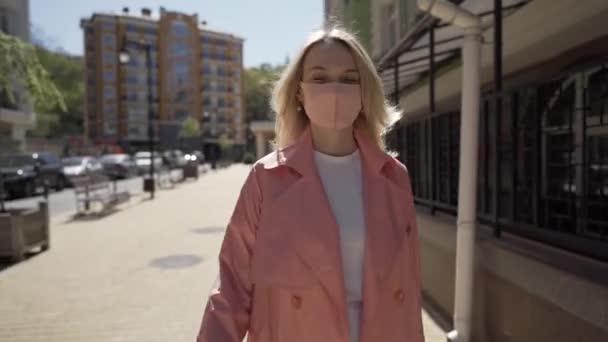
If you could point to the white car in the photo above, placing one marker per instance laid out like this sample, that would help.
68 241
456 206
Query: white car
142 160
78 166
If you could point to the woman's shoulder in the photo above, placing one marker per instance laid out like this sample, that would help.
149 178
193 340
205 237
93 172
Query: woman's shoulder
397 169
270 161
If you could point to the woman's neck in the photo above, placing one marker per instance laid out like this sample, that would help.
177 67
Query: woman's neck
335 142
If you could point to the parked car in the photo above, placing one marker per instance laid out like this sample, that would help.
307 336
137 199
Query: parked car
174 159
78 166
119 166
24 174
197 156
142 161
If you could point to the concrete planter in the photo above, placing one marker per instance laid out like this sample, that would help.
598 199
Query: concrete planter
22 230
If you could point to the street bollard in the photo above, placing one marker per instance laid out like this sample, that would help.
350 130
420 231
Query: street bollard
87 204
45 189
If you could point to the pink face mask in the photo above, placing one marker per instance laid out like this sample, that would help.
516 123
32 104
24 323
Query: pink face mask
332 105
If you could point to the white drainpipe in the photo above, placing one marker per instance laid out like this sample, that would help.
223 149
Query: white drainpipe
467 183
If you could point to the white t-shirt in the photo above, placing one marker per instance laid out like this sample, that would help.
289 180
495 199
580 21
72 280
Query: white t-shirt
341 178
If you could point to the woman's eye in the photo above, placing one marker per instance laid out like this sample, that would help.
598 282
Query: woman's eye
350 81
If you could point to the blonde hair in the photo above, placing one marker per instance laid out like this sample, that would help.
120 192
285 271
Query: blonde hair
376 114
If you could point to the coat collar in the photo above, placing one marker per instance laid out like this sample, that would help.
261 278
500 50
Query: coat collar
299 155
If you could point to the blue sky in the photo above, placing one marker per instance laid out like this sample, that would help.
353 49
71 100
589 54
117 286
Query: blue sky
273 29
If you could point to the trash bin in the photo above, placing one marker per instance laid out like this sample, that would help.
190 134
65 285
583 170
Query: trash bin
190 170
149 184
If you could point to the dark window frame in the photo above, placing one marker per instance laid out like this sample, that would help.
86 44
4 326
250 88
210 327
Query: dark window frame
553 161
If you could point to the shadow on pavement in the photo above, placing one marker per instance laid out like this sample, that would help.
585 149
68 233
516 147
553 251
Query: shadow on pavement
208 230
7 262
176 261
136 199
92 217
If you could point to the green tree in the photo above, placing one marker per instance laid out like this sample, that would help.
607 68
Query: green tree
258 85
67 74
190 128
20 68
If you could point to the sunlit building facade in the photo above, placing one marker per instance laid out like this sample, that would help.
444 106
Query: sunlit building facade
195 73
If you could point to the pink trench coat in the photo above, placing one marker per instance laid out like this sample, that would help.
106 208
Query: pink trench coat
280 264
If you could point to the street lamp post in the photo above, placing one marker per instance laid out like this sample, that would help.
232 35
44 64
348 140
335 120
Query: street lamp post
149 184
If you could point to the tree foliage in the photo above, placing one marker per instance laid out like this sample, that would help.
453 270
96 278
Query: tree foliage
190 128
20 69
67 74
258 85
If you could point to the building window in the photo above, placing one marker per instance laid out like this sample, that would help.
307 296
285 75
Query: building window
109 92
108 39
109 127
108 26
109 58
543 167
131 28
109 76
4 15
180 49
179 28
389 30
180 114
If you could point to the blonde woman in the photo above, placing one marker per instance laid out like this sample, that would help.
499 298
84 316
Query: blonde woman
322 244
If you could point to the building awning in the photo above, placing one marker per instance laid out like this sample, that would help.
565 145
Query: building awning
409 61
540 39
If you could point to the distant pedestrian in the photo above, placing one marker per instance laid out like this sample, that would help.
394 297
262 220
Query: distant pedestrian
322 245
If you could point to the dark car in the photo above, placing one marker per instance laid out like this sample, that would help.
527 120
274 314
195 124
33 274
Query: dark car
25 174
118 166
196 156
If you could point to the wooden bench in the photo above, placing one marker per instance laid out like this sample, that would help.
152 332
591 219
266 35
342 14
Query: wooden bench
96 189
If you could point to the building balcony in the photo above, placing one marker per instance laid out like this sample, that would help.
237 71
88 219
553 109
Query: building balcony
18 116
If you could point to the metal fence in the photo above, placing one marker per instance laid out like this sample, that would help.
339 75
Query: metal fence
543 161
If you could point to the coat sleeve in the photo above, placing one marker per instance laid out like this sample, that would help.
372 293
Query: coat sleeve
414 247
227 313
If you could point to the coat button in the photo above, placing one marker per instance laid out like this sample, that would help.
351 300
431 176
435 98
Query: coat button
399 295
296 301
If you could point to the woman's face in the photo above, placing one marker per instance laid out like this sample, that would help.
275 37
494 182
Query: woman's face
330 61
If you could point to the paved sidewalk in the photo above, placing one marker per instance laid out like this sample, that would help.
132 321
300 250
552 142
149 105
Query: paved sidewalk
141 274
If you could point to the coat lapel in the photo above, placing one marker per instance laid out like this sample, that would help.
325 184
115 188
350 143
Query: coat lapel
314 230
315 233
